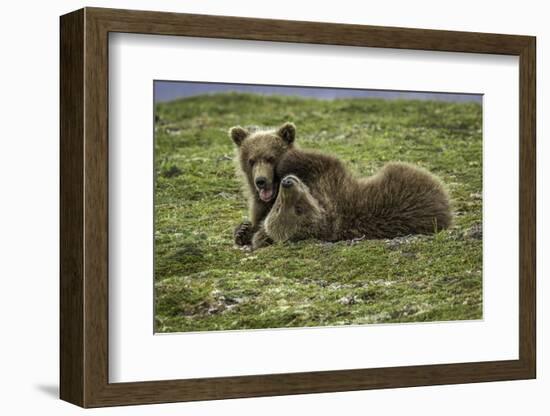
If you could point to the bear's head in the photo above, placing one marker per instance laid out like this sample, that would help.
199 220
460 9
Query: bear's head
258 154
296 214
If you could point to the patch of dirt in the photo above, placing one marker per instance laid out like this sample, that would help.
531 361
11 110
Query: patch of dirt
172 171
216 304
398 242
186 251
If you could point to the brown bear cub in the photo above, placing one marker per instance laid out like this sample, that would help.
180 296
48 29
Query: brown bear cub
297 194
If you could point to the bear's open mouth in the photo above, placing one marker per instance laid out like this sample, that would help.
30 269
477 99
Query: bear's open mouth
266 195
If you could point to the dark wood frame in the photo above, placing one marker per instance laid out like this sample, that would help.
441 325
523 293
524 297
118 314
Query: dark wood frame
84 207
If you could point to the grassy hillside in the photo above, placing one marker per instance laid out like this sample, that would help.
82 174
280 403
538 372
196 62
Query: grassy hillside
203 282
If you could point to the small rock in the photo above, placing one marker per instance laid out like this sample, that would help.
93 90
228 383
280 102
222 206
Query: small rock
475 232
356 240
393 244
225 195
216 309
349 300
172 131
224 157
247 248
346 300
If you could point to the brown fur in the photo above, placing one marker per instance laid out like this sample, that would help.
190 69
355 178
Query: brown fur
324 200
258 151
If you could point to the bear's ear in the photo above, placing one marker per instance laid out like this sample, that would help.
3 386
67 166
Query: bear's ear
238 134
287 132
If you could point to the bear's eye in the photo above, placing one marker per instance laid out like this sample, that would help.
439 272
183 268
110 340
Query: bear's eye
298 210
270 159
251 162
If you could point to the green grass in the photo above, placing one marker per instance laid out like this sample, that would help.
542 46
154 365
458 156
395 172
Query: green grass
203 282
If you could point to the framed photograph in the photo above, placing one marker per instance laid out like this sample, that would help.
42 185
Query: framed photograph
255 207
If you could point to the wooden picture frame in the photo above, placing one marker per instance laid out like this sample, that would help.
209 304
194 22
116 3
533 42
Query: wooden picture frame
84 207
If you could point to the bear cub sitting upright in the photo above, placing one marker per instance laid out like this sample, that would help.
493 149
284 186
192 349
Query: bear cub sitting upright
297 194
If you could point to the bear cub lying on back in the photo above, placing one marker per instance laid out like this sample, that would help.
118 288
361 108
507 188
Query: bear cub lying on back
297 194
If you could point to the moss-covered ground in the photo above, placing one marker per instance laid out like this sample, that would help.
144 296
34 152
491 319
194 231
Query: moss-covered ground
203 282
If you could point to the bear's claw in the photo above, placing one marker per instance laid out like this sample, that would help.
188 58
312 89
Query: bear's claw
261 239
289 181
243 234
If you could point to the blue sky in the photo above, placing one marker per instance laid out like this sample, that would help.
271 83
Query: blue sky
172 90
